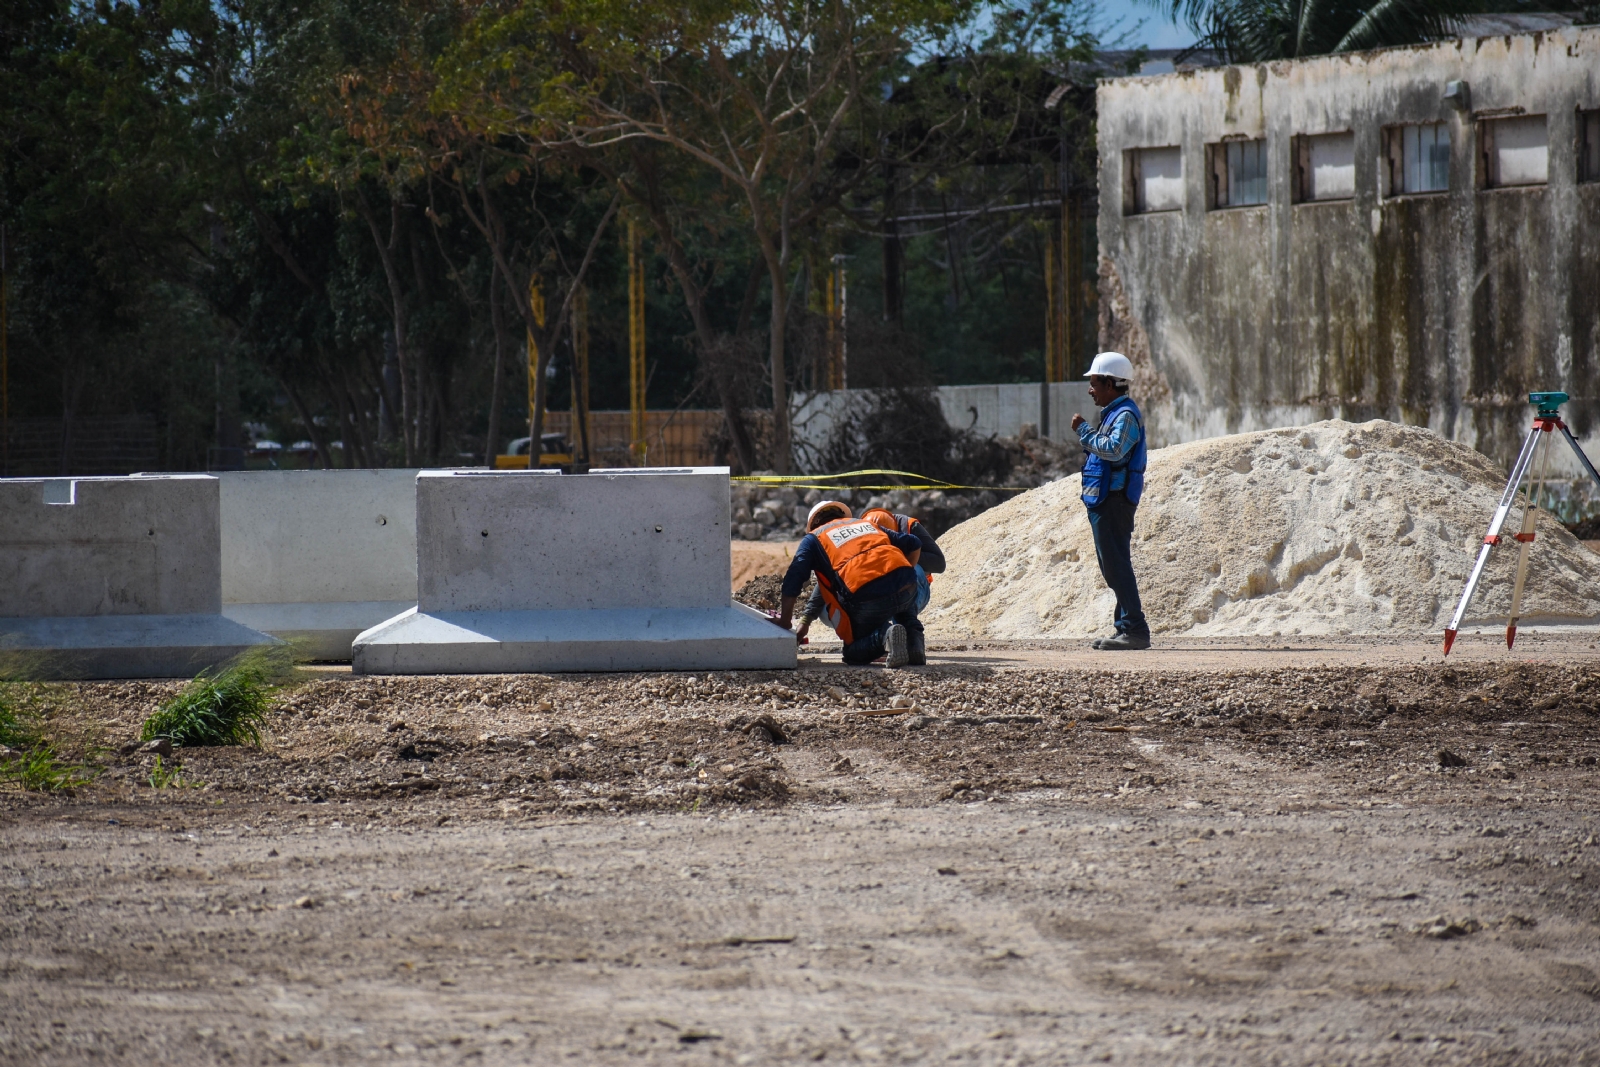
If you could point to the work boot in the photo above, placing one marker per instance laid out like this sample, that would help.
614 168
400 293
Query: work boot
1122 643
898 653
916 650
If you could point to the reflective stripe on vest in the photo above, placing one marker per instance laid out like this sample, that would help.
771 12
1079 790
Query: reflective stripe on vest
1097 472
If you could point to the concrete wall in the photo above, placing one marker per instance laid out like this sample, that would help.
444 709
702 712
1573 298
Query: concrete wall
316 557
1441 309
531 540
109 546
541 571
999 410
319 536
114 577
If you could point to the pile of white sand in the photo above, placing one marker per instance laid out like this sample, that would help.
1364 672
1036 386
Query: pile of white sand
1333 528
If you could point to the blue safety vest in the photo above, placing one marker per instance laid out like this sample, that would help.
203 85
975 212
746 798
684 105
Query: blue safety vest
1097 472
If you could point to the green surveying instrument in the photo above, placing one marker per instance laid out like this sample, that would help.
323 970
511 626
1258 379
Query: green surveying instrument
1546 418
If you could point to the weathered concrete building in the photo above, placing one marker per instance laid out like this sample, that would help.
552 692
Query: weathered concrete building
1410 234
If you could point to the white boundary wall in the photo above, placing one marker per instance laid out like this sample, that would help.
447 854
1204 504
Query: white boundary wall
114 577
316 557
540 571
986 410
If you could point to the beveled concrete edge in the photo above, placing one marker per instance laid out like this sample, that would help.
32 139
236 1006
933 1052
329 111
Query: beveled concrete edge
317 631
84 648
732 638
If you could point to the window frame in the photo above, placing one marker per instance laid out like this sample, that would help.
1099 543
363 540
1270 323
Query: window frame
1302 186
1488 160
1220 180
1133 202
1395 160
1588 146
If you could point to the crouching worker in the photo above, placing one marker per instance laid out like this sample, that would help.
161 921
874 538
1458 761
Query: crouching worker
931 563
868 584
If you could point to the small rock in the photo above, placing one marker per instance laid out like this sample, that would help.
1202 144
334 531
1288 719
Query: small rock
766 728
396 726
544 705
836 693
1491 831
306 902
1447 758
900 701
1516 922
161 746
919 722
1444 929
947 870
130 748
1500 770
842 765
8 753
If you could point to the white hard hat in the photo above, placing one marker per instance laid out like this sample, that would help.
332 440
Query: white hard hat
1111 365
819 505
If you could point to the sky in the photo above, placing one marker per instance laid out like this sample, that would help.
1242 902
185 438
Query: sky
1157 31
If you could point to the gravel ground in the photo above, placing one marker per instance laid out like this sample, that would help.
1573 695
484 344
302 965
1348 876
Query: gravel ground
1247 861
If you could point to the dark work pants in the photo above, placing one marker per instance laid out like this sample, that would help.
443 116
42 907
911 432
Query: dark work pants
1112 523
869 621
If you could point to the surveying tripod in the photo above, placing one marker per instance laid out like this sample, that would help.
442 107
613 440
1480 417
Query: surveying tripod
1547 417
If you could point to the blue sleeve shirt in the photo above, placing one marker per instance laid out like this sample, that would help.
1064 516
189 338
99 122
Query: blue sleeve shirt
1113 446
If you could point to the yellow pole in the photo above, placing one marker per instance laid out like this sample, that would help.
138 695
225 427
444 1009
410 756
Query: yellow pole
580 373
536 304
5 360
1052 308
636 365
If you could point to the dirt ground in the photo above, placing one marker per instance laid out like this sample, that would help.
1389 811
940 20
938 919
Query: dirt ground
1330 852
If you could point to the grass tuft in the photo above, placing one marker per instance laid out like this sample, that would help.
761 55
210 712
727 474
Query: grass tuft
31 761
224 707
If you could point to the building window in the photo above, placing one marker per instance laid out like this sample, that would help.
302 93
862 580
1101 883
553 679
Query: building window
1514 151
1325 167
1152 180
1419 159
1589 146
1237 174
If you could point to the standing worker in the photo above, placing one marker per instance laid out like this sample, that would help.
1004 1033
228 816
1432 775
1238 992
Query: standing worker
868 583
1113 481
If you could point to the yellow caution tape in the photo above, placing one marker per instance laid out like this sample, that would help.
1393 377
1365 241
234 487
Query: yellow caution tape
810 481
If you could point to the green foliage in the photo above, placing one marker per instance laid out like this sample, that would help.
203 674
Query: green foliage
1257 31
223 707
165 776
35 765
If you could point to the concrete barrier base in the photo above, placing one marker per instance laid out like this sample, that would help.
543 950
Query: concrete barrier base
555 641
318 631
124 646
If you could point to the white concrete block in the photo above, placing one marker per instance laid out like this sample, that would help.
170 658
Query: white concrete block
316 557
114 577
540 571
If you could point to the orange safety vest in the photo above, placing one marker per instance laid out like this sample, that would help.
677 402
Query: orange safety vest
899 523
859 552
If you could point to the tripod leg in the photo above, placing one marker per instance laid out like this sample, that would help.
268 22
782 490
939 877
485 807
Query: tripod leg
1582 458
1525 540
1518 469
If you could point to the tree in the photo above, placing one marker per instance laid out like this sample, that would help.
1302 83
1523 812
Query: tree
759 93
1256 31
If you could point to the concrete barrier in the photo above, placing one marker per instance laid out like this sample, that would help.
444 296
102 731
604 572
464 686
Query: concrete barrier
540 571
316 557
114 577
